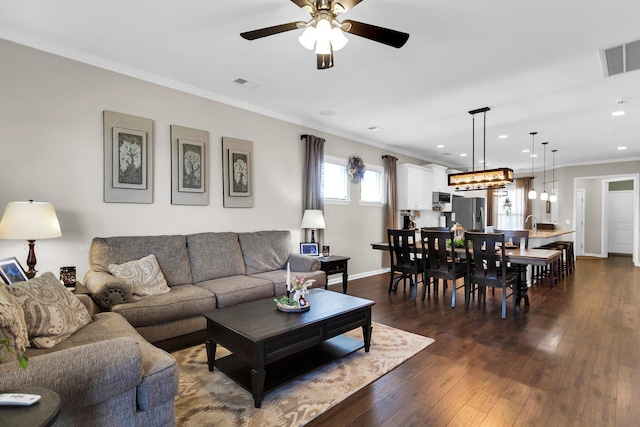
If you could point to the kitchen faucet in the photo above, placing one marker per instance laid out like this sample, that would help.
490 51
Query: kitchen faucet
534 220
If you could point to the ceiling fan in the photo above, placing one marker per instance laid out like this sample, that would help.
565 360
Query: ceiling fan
325 32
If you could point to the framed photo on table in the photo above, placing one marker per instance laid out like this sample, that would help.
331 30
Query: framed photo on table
309 248
11 271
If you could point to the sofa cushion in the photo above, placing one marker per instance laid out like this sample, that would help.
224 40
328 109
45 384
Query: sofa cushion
265 250
143 275
214 255
183 301
170 251
238 289
12 326
51 311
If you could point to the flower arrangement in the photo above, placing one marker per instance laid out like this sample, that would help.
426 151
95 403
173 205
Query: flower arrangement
356 169
296 290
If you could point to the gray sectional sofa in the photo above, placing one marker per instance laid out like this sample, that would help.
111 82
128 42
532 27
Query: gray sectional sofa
105 373
204 271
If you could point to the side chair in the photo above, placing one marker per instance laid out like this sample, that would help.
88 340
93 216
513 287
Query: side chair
487 266
440 262
404 259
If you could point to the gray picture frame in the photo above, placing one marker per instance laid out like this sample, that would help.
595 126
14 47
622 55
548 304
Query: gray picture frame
188 186
128 158
237 173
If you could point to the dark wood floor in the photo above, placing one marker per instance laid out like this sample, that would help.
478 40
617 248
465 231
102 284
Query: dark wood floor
571 359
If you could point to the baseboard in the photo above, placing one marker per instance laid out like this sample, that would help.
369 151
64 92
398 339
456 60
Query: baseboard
338 278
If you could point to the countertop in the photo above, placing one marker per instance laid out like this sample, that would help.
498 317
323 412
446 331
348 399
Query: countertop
545 234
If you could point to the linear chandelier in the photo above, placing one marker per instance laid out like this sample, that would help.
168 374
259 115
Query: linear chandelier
483 179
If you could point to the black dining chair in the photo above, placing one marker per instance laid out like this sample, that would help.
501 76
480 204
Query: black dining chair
404 259
519 238
441 262
487 266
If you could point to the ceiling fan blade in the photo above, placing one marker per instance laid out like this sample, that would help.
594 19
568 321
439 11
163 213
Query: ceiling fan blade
381 35
346 4
303 3
269 31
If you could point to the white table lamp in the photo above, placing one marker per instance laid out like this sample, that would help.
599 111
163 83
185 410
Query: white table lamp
29 221
312 219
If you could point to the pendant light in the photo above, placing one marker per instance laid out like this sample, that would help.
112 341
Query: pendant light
544 196
532 194
553 198
486 178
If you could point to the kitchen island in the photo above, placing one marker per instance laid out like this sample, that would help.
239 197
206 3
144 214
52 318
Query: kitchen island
544 237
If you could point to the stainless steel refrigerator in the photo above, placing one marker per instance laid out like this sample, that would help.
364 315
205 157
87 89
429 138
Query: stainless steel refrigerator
469 212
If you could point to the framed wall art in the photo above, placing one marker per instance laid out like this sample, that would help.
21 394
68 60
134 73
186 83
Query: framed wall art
128 154
189 166
11 271
237 173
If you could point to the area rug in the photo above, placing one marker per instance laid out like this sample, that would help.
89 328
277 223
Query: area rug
212 399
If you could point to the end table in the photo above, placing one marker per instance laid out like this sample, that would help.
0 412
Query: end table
42 413
335 264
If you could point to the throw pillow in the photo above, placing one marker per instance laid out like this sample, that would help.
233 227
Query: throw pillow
52 312
12 327
143 275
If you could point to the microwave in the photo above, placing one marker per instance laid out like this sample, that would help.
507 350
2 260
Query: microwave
439 197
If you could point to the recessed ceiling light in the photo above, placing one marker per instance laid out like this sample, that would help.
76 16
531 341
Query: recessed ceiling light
525 151
622 148
618 113
480 161
463 155
534 155
439 146
375 129
503 136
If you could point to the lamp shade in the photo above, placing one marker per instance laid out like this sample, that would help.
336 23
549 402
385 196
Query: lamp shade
312 218
29 221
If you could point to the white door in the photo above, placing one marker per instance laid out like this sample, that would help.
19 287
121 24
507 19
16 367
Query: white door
579 226
620 222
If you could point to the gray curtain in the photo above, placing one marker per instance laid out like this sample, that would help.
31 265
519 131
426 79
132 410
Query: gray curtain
525 184
391 208
491 207
313 197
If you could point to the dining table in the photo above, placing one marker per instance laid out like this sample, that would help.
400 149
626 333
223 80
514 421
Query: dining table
517 256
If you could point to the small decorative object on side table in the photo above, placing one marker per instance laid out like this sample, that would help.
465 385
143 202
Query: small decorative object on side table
335 264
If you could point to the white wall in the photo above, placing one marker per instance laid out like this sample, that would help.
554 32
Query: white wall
51 138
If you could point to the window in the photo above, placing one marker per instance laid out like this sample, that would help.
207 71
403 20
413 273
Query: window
336 179
372 186
510 207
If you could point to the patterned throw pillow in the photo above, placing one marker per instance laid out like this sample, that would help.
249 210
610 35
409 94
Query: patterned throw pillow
143 275
12 326
52 312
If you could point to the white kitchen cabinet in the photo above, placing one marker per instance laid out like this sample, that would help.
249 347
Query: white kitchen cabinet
440 180
415 185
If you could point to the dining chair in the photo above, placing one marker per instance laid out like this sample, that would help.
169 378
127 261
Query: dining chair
487 266
519 238
404 259
440 262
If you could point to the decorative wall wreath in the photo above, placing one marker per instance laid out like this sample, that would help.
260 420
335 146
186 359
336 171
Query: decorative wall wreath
356 169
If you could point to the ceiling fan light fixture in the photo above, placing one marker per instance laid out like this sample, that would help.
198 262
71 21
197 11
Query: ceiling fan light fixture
338 39
308 38
323 47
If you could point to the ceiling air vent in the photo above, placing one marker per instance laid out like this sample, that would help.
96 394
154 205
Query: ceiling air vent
621 59
245 83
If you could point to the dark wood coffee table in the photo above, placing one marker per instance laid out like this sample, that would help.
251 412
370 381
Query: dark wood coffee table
271 348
